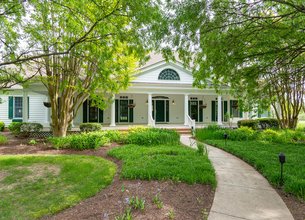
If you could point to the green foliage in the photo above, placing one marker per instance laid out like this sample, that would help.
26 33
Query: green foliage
157 201
246 133
137 203
24 128
171 214
251 123
163 162
14 127
32 142
265 123
201 149
88 127
2 126
126 216
36 186
152 136
82 141
3 139
264 157
114 136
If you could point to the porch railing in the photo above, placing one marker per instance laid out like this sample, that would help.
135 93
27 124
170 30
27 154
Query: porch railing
151 121
191 123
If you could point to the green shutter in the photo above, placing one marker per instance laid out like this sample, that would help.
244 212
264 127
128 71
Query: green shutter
116 110
85 112
213 110
231 107
225 110
167 110
28 107
10 107
100 116
200 111
240 112
130 101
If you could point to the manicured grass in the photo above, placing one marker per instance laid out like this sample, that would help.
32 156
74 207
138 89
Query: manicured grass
264 157
162 162
34 186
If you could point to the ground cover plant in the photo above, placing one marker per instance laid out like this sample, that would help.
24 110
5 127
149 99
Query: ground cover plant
3 139
152 136
162 162
34 186
261 150
2 125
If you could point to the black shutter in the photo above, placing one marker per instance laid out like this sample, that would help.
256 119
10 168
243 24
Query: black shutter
100 116
213 110
200 111
189 107
167 110
85 111
116 110
225 110
130 101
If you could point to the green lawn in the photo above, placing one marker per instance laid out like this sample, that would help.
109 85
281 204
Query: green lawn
164 162
264 157
34 186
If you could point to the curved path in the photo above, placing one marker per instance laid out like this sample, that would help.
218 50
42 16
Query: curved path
241 193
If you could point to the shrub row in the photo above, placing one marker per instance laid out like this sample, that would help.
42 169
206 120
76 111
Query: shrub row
260 123
90 140
152 136
246 133
24 128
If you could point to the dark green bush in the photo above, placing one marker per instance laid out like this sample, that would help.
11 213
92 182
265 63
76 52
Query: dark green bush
14 127
2 125
82 141
153 136
266 123
88 127
248 123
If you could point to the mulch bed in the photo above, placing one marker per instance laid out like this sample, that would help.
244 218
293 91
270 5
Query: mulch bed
182 200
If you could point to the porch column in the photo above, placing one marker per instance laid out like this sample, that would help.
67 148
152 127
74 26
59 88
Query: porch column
219 111
149 109
186 108
112 123
25 110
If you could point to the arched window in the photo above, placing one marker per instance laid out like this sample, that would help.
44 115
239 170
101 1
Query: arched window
169 74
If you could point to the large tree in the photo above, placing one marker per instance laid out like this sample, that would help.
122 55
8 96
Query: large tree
256 47
84 48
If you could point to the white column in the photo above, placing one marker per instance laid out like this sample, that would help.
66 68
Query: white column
25 110
219 111
149 109
112 123
186 108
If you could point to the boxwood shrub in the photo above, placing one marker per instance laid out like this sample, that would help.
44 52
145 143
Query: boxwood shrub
265 123
24 128
14 127
248 123
2 125
88 127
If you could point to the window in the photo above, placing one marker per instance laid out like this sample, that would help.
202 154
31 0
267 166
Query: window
17 107
169 74
235 109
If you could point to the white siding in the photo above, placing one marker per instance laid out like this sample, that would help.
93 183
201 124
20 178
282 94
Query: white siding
152 75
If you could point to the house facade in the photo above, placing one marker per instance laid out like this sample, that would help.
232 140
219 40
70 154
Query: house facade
160 94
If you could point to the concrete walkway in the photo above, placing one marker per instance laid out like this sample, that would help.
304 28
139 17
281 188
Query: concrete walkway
241 193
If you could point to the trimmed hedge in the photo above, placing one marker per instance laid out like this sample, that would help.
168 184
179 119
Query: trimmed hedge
260 123
265 123
250 123
88 127
24 128
2 125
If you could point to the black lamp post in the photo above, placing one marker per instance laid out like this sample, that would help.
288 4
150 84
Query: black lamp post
282 160
225 136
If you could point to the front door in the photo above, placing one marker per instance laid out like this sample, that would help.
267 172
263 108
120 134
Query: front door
194 110
160 110
123 111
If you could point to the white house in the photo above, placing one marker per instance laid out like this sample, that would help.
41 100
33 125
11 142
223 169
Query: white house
161 93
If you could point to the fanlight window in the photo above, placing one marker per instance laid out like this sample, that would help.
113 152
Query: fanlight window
169 74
